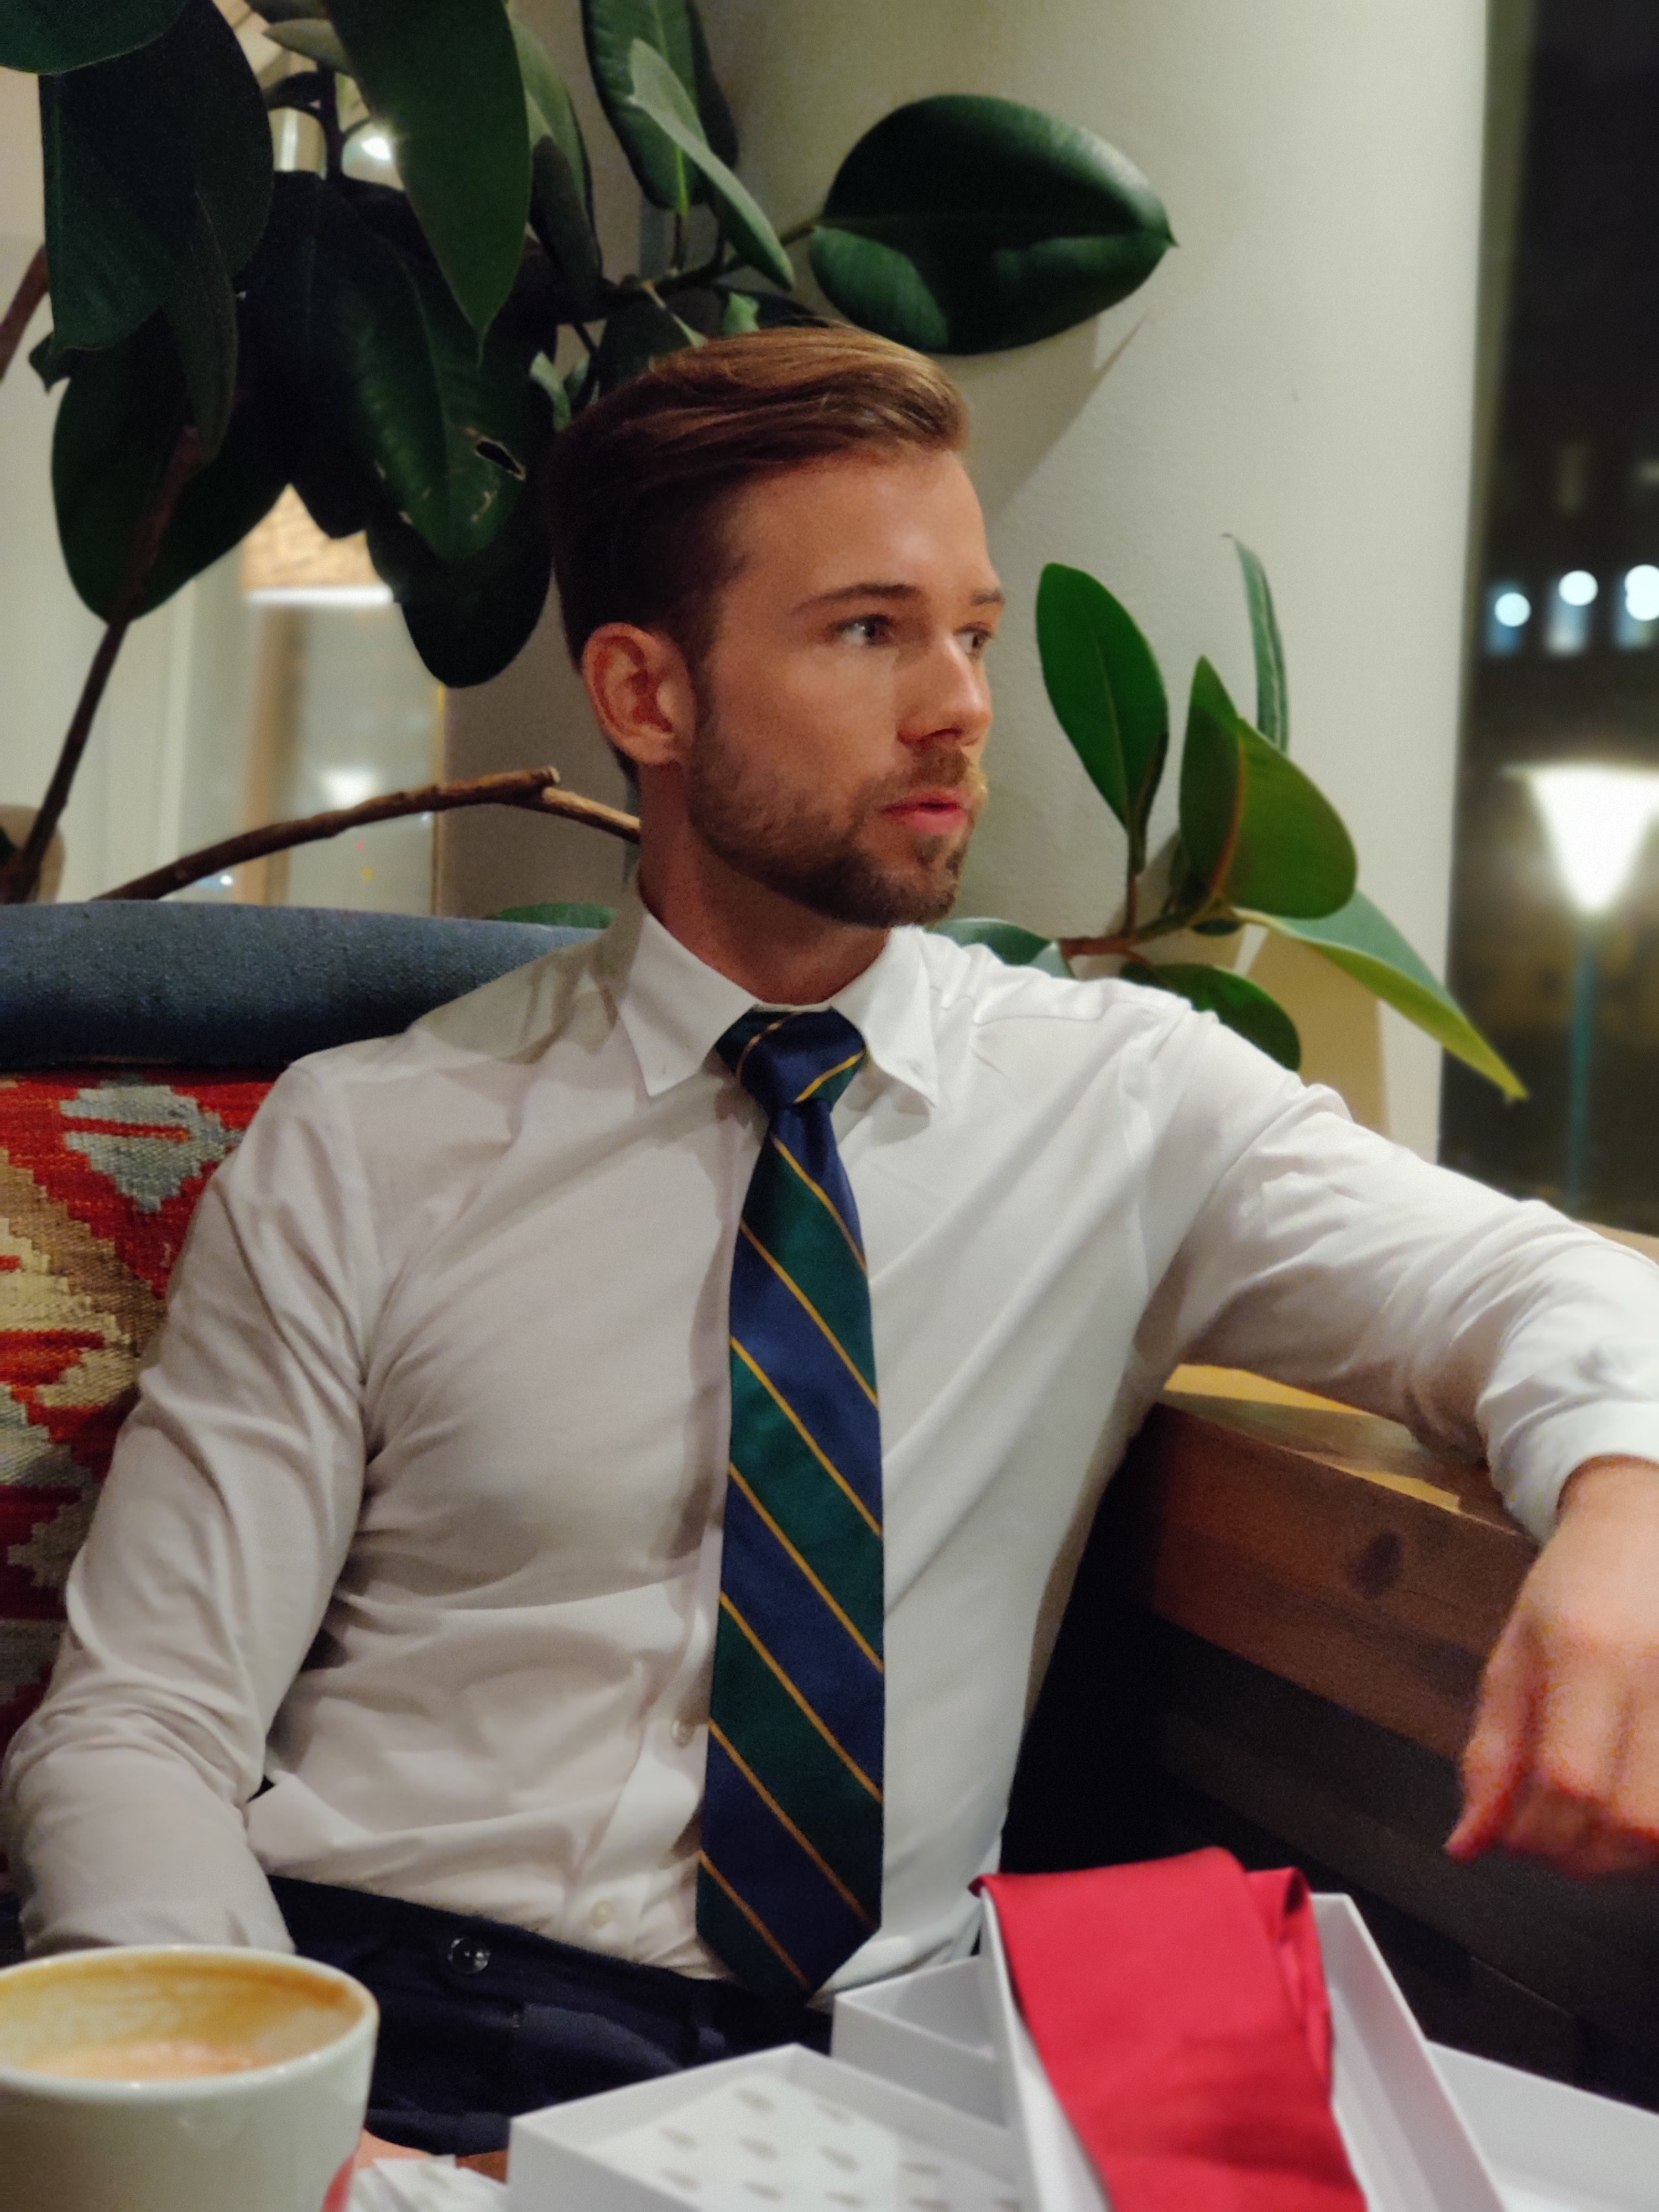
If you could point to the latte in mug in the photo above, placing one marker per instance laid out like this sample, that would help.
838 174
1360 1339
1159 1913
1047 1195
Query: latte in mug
180 2079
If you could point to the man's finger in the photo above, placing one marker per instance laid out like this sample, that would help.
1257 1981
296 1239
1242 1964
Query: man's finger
1544 1823
1497 1753
1634 1811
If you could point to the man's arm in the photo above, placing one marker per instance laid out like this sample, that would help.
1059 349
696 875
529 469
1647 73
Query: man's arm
1329 1258
212 1555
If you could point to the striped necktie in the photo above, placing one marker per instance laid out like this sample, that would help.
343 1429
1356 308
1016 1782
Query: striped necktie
789 1878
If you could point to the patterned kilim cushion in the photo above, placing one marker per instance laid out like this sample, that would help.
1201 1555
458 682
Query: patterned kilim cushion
98 1176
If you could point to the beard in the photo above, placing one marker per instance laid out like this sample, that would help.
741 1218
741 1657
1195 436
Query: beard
814 854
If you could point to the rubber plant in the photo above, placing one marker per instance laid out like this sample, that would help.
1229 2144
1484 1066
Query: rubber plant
1257 841
404 356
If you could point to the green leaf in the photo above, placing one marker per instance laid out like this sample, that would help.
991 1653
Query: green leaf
1257 831
555 914
200 313
552 115
742 311
116 430
224 124
1232 999
635 335
1272 695
1104 686
391 402
51 362
1014 946
313 42
131 148
445 77
1364 943
964 224
739 314
674 30
559 216
667 102
44 36
467 619
120 202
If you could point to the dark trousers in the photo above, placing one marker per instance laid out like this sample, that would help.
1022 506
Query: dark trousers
480 2020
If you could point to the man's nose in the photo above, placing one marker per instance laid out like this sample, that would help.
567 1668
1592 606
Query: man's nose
951 701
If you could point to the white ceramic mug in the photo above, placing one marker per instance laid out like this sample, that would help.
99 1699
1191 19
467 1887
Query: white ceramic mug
180 2078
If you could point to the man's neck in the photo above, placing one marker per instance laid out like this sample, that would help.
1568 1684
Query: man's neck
780 951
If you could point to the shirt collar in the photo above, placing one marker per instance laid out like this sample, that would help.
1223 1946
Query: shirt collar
675 1008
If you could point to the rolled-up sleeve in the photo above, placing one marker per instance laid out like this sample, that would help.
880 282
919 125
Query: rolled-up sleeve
1325 1256
229 1510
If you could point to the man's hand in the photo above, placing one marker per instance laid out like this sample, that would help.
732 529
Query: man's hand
371 2150
1563 1760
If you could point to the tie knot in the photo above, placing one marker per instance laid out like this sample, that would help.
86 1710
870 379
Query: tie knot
784 1060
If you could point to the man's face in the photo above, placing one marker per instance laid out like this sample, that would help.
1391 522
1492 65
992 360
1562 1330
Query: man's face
844 702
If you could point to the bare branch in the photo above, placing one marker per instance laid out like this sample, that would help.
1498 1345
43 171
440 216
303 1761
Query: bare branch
531 787
21 873
24 301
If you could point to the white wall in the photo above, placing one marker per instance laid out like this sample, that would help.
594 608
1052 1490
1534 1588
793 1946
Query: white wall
124 815
1299 371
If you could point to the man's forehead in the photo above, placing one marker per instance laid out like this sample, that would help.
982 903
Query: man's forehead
891 525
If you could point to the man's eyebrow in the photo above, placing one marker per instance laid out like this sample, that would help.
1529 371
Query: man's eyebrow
996 598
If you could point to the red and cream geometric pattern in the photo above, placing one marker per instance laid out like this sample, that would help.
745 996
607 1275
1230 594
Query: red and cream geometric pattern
99 1175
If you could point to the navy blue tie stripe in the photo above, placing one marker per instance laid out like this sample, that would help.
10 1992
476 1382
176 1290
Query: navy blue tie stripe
790 1879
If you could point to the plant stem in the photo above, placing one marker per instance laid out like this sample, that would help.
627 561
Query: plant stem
20 874
24 301
1126 939
531 787
681 243
803 229
328 114
691 280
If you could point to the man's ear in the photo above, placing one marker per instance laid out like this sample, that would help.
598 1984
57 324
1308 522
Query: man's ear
641 691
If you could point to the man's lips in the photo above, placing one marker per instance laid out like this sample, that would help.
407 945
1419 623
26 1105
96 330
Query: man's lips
938 810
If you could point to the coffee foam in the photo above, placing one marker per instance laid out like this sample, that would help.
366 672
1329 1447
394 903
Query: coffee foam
86 2015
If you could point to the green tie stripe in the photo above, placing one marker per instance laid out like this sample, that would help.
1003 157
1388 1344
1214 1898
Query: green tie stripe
777 1145
733 1474
790 1878
818 1517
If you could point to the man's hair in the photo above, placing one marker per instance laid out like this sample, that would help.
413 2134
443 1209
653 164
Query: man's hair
641 484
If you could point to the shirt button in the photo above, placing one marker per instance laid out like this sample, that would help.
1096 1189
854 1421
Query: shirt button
467 1956
599 1915
683 1732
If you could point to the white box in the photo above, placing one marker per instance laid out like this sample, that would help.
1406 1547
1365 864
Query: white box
927 2030
1410 2146
1555 2148
784 2127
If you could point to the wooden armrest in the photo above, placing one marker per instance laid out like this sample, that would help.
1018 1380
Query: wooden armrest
1323 1544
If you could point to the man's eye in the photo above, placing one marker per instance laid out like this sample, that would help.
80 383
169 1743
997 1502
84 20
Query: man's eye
868 630
977 640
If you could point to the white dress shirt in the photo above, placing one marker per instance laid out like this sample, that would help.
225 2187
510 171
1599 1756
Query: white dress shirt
418 1516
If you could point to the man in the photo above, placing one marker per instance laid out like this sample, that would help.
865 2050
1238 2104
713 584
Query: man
617 1452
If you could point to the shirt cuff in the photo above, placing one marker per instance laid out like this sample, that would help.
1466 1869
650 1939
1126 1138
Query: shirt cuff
1537 1465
